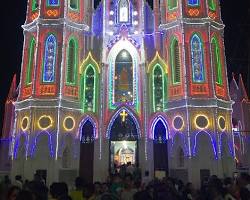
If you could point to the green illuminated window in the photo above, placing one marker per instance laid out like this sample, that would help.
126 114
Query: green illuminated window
72 62
212 5
175 61
30 66
34 5
74 4
216 60
172 4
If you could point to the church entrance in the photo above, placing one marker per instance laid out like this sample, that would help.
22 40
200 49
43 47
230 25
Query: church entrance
123 142
87 152
160 133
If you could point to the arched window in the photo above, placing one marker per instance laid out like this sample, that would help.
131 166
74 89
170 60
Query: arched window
193 2
158 88
172 4
34 5
74 4
123 11
72 62
49 59
198 71
53 2
212 5
30 66
89 91
123 78
216 60
175 62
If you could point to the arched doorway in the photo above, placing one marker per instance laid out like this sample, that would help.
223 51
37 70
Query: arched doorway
160 137
123 135
87 138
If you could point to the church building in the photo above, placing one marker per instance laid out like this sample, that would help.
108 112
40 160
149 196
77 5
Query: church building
123 82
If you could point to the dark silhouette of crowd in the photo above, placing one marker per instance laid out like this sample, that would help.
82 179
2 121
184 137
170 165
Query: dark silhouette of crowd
128 184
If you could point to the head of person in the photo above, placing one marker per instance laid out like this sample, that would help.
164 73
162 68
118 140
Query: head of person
88 190
13 192
79 183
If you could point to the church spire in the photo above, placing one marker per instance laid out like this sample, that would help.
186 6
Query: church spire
242 89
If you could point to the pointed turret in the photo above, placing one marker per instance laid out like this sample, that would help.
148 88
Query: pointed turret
233 88
9 109
242 89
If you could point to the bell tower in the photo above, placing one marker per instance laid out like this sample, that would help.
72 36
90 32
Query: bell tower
198 103
54 42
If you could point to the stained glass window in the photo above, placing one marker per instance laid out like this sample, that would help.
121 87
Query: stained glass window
197 59
172 4
158 88
123 11
175 62
71 62
49 59
34 5
123 78
212 5
53 2
193 2
216 60
30 66
89 89
74 4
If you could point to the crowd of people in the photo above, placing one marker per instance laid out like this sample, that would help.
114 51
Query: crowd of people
128 185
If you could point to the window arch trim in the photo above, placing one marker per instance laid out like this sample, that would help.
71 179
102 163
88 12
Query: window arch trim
216 55
94 89
212 5
49 35
119 11
173 61
194 3
53 3
31 58
76 56
77 5
172 4
153 86
34 5
201 47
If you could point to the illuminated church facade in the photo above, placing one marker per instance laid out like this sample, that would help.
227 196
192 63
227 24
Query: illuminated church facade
123 83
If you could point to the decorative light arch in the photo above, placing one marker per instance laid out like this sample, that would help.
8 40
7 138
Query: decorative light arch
224 135
217 60
50 145
83 122
197 57
89 63
213 143
123 44
164 122
17 144
117 113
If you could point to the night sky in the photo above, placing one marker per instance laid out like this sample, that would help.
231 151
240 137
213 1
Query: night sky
234 15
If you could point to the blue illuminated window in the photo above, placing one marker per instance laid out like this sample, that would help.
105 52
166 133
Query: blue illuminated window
193 2
53 2
49 59
198 71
